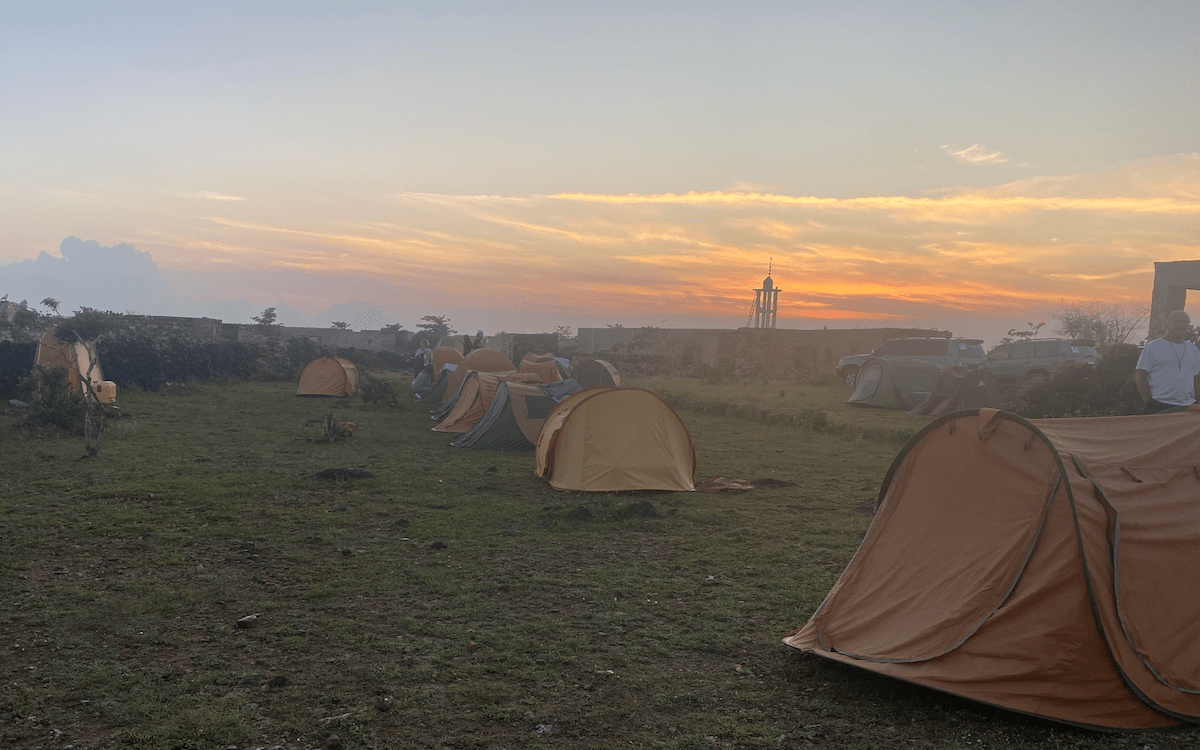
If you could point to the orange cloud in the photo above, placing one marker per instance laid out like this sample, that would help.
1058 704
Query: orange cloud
1002 250
975 154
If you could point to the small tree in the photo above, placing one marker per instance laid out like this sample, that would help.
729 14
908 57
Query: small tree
95 414
86 324
56 403
267 318
435 327
339 325
51 303
564 332
1104 324
1015 335
26 319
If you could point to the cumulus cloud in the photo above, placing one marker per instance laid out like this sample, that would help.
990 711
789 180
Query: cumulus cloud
119 278
975 155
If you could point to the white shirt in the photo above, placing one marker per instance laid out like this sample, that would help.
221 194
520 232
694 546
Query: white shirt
1172 369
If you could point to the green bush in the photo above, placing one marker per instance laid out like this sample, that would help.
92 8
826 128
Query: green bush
54 405
375 390
142 362
1103 390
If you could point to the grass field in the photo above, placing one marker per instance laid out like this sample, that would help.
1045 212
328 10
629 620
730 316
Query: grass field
448 601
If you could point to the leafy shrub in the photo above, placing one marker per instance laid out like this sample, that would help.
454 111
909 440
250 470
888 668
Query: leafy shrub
375 390
134 358
139 361
16 360
54 405
1105 389
87 324
333 429
367 359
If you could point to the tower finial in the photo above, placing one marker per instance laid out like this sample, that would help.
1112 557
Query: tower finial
770 260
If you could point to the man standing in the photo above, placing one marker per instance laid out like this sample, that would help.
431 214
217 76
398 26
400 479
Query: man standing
1168 372
425 353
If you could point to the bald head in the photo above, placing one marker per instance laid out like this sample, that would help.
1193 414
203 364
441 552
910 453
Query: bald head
1178 325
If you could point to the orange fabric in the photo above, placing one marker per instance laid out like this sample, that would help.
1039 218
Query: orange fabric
519 397
328 376
475 396
77 359
613 439
973 579
545 366
445 355
480 360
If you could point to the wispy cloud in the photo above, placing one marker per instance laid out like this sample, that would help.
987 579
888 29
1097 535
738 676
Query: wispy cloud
975 155
949 208
997 251
210 195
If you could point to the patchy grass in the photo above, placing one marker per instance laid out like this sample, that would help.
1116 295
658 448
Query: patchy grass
445 601
804 395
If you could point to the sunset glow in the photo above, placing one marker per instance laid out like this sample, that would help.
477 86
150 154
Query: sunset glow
519 169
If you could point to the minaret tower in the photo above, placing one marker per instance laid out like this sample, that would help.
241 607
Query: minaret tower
766 303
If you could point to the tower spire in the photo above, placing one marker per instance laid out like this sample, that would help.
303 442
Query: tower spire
766 302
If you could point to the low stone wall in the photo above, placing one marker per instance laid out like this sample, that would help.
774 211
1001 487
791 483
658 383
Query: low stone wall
741 351
203 330
333 338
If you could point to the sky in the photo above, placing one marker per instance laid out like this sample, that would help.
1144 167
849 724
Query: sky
951 164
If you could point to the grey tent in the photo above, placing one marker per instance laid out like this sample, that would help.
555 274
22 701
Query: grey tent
891 384
422 382
595 372
433 394
514 418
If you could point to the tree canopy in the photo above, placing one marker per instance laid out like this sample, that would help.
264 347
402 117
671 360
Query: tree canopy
434 327
1104 324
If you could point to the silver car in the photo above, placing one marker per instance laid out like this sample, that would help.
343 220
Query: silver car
1011 362
946 354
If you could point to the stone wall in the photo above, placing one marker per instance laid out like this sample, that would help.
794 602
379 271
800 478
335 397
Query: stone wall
203 330
211 330
334 338
743 350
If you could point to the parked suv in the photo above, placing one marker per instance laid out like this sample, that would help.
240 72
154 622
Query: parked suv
1010 362
947 354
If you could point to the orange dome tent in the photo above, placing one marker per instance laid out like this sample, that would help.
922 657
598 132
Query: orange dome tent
480 360
612 439
328 376
545 366
475 396
442 356
1050 567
